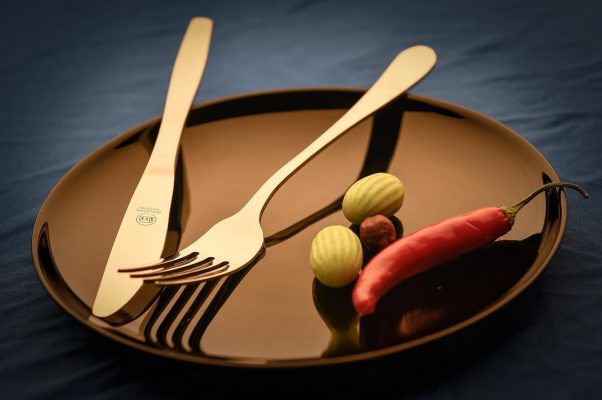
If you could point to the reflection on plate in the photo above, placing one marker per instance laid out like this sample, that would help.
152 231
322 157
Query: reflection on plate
273 314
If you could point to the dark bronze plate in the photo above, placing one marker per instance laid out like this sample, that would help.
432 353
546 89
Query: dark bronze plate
450 159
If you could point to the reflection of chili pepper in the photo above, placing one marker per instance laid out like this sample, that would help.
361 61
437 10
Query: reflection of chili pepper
433 245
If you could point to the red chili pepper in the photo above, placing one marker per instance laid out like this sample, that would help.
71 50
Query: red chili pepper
433 245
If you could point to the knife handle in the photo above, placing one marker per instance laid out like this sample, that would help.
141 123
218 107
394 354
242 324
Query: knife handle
183 86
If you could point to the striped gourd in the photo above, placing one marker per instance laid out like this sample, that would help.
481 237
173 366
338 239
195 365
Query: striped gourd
380 193
336 256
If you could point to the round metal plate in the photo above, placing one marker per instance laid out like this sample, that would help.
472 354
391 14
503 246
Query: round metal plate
449 158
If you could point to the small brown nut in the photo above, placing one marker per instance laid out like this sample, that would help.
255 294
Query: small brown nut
377 232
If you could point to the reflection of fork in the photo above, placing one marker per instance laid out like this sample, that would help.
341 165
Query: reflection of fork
236 241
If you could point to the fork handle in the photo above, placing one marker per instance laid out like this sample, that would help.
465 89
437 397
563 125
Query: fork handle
407 69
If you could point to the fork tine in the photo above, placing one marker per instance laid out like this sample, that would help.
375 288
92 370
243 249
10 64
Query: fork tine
189 270
177 269
205 274
193 276
168 262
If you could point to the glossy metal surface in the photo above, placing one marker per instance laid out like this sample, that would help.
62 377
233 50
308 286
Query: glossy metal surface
141 235
273 315
235 241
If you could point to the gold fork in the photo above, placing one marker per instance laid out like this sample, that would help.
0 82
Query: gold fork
236 241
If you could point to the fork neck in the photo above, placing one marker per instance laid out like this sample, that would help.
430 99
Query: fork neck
256 205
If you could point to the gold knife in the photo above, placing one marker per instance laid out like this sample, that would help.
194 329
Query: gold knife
142 233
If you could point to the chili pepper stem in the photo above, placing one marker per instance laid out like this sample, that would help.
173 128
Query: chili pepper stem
512 211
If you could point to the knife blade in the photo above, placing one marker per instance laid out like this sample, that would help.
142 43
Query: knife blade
141 235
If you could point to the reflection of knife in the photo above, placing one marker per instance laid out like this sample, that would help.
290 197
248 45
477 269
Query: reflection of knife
141 235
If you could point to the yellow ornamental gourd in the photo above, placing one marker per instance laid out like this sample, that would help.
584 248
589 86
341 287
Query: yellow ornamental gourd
379 193
336 256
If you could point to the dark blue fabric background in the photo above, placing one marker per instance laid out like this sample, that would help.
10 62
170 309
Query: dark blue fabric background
75 74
